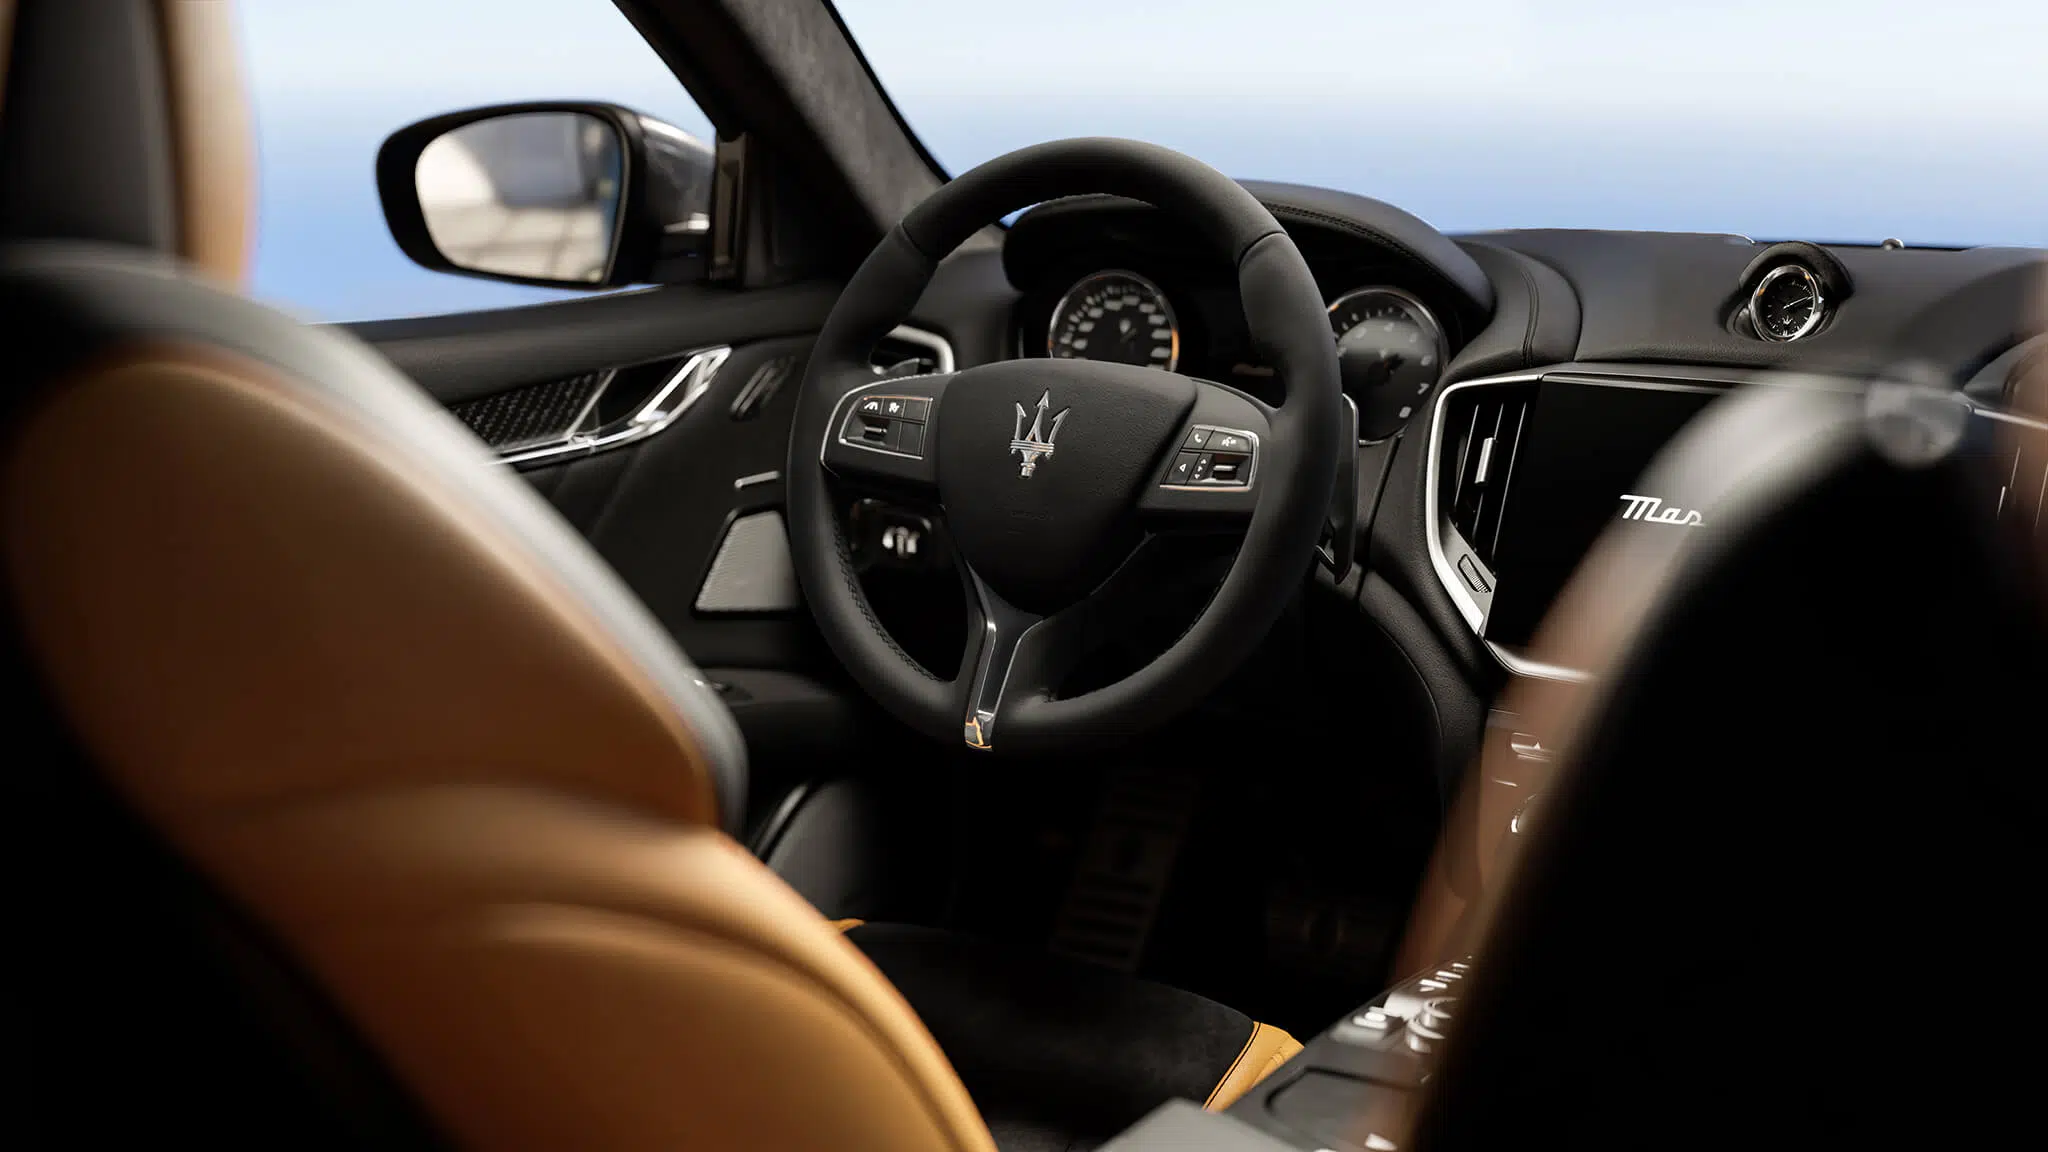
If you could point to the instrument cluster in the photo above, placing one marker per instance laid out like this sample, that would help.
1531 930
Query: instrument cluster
1390 347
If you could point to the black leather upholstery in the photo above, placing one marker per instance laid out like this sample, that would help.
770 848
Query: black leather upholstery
1387 226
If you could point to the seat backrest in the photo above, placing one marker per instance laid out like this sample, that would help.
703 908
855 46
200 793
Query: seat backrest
396 817
1783 887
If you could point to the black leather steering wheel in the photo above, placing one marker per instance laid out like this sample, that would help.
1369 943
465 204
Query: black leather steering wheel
1053 475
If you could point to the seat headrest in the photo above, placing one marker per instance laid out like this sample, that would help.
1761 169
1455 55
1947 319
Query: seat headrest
125 122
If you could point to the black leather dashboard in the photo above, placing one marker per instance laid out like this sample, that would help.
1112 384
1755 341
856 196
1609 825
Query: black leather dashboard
1508 302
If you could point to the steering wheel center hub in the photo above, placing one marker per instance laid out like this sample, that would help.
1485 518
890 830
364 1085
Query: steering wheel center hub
1040 467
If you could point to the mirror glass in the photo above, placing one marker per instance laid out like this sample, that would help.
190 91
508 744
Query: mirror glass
533 194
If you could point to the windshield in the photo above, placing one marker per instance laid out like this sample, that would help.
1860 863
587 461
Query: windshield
1829 120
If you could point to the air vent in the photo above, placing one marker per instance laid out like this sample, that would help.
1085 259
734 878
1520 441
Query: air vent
2019 465
534 415
1482 435
911 352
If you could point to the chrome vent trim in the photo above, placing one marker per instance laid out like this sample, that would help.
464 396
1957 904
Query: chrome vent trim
676 395
1485 472
2022 464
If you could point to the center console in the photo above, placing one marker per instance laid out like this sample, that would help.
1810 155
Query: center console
1354 1086
1350 1089
1527 470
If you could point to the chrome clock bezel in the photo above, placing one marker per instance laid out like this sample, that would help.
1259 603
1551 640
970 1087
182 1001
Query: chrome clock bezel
1159 297
1813 319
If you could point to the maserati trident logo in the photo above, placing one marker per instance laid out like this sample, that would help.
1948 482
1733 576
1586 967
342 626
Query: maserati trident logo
1036 444
1651 510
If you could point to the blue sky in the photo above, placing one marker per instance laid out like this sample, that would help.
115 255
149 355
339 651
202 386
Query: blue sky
1830 119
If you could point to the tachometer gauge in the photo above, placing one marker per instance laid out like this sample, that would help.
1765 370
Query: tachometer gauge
1390 351
1117 316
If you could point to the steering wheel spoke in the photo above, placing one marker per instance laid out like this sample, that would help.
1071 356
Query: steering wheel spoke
1019 658
882 435
995 644
1209 482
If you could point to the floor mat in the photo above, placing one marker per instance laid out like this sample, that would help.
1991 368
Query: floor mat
1125 867
1057 1054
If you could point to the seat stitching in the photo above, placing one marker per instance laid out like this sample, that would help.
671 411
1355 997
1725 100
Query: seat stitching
1248 1042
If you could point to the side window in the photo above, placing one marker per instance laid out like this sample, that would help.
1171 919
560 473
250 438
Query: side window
330 81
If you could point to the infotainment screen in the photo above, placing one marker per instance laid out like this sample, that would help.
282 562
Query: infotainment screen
1582 452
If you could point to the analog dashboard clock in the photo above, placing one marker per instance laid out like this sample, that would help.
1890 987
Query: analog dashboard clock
1788 303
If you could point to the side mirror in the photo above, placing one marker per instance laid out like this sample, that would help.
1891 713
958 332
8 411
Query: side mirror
563 195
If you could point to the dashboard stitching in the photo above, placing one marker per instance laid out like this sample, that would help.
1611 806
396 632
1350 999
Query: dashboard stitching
1420 261
1535 309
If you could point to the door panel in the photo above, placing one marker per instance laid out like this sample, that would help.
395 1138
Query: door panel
469 355
655 509
658 508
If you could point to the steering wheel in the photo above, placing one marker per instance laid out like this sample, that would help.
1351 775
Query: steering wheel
1055 477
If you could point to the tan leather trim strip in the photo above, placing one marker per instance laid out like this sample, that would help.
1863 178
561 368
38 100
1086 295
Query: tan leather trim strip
212 154
1265 1050
847 925
6 43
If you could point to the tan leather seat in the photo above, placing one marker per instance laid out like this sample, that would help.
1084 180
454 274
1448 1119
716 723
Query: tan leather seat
397 720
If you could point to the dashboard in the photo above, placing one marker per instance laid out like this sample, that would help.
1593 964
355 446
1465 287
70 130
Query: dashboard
1511 383
1553 357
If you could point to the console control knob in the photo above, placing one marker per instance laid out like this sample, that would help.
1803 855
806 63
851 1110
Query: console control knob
1426 1028
1375 1019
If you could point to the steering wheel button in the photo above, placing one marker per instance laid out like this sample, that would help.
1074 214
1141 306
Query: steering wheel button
1199 438
907 436
1204 463
1473 578
1183 469
871 406
869 430
1230 442
916 408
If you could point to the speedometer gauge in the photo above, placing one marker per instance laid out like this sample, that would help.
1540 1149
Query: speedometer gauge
1390 351
1116 316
